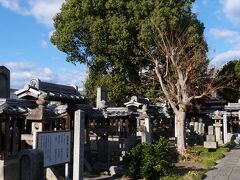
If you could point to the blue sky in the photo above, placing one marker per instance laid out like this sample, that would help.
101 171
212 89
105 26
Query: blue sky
26 26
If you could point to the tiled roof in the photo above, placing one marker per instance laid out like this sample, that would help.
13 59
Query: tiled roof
49 91
117 111
232 106
14 106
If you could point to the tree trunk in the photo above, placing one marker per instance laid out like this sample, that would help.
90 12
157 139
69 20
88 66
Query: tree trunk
181 140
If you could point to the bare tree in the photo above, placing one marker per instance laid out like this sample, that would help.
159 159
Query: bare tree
183 73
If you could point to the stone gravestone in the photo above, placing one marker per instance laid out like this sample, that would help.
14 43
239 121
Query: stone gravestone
200 127
102 97
196 125
210 139
4 82
31 165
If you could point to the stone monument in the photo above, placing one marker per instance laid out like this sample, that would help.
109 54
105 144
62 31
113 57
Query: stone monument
102 97
210 139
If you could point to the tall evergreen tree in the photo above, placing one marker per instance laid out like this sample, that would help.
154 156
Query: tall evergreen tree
231 93
123 38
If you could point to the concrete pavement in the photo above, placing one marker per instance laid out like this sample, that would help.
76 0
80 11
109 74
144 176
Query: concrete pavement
228 168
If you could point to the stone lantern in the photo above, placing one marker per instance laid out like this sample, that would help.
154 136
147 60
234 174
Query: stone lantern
218 118
145 125
41 117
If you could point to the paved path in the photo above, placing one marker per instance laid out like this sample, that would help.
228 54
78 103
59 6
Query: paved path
228 168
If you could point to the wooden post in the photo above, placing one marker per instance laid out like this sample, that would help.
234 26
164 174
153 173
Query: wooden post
15 138
7 137
78 146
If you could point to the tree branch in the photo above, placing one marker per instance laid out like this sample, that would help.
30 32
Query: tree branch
164 89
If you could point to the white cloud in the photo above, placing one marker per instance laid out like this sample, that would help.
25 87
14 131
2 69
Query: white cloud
14 5
224 57
42 10
74 77
231 9
23 72
230 36
44 44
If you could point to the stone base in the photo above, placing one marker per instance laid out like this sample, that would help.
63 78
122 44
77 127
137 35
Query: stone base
210 138
220 142
210 145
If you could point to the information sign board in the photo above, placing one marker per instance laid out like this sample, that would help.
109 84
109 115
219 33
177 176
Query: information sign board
55 146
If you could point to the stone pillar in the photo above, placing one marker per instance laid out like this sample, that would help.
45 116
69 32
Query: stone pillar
102 97
78 146
1 169
147 132
218 133
4 82
225 136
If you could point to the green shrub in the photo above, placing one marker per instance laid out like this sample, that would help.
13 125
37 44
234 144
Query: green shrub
149 160
230 145
133 159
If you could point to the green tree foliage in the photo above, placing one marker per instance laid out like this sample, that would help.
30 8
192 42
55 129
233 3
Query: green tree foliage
119 90
172 36
149 160
108 36
104 35
134 43
231 93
